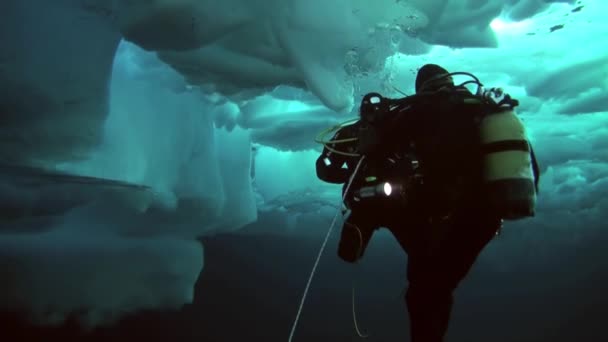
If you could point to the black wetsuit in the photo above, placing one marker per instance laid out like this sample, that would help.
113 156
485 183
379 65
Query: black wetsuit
445 226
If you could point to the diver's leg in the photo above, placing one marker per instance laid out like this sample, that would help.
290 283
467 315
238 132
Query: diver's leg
356 233
429 301
436 265
428 297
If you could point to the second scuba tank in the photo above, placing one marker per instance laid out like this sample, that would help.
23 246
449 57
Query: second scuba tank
507 163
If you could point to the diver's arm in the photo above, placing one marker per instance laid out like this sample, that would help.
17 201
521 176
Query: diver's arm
329 165
329 168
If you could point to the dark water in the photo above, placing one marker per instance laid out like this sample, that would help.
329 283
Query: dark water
251 286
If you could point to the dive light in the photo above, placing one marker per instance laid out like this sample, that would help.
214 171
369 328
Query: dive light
385 189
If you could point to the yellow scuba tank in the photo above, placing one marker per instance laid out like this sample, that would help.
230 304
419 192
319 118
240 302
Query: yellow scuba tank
508 165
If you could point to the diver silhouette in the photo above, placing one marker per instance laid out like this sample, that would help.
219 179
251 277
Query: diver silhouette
436 174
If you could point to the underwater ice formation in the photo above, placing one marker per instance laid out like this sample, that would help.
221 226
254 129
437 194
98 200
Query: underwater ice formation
71 104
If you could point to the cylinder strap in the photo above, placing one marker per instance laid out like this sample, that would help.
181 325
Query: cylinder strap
506 145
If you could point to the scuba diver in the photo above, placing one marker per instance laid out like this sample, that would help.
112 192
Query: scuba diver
441 169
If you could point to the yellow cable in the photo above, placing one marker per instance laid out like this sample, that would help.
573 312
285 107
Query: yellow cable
338 141
359 254
323 133
320 139
316 264
348 154
361 335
